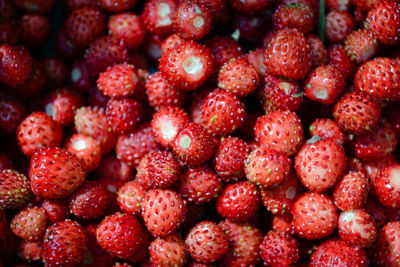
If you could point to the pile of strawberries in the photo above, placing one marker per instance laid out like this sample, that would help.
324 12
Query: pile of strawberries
200 133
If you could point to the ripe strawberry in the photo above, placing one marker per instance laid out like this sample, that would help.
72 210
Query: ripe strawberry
12 112
351 192
386 186
386 249
283 223
256 58
64 47
249 27
15 65
357 228
335 252
86 149
281 131
356 112
118 81
163 211
279 249
123 114
130 197
116 6
338 25
327 129
30 224
111 167
340 60
55 173
361 45
266 167
320 164
196 101
35 30
169 251
251 6
35 83
200 185
35 6
64 244
95 254
338 5
319 54
56 70
81 78
314 216
373 167
383 20
288 54
170 42
213 249
56 209
222 112
127 27
38 131
157 16
186 65
238 76
325 84
223 49
30 251
294 15
193 145
15 190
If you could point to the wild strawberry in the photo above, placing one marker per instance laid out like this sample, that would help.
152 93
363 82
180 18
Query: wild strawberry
12 112
64 244
200 185
30 224
186 65
169 251
207 252
351 191
279 249
35 6
361 45
30 251
340 60
356 112
163 211
386 249
251 6
281 131
56 209
338 25
327 129
223 49
35 83
386 186
283 223
131 148
319 54
38 131
116 6
382 19
56 71
130 197
86 149
170 42
15 65
118 81
357 228
157 16
373 167
35 30
280 198
81 78
295 15
197 99
288 54
256 58
250 27
123 114
238 76
222 112
337 252
65 48
266 167
55 173
193 145
111 167
95 254
93 122
314 216
338 5
127 27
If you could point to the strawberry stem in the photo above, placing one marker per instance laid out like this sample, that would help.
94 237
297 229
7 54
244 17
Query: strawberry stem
322 19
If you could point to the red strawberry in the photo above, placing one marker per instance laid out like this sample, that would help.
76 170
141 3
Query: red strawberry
386 249
222 112
64 47
64 244
55 173
170 42
12 112
35 30
356 112
118 81
130 197
157 16
238 76
15 65
186 65
169 251
127 27
351 192
279 249
319 54
116 6
288 54
327 129
281 131
357 228
196 102
251 6
30 251
283 223
340 60
256 58
223 48
96 255
111 167
33 6
56 70
30 224
56 209
294 15
200 185
320 164
81 78
123 114
373 167
387 188
38 131
314 216
338 5
338 24
361 45
213 249
193 145
86 149
163 211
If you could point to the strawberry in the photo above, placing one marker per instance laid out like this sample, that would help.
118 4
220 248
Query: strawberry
30 224
238 76
12 112
56 209
213 249
335 252
283 223
383 20
116 6
86 149
15 190
320 164
81 79
157 16
95 254
281 131
170 42
64 244
152 47
163 211
288 54
325 84
15 65
200 185
35 83
127 27
294 15
10 32
56 70
373 167
222 112
55 173
130 197
64 47
319 54
118 81
197 99
327 129
386 186
35 30
266 167
338 25
386 249
193 145
223 48
186 65
351 191
338 5
340 60
280 198
30 251
357 228
169 251
279 249
35 6
250 27
244 242
314 216
256 58
38 131
123 114
111 167
356 112
361 45
251 6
